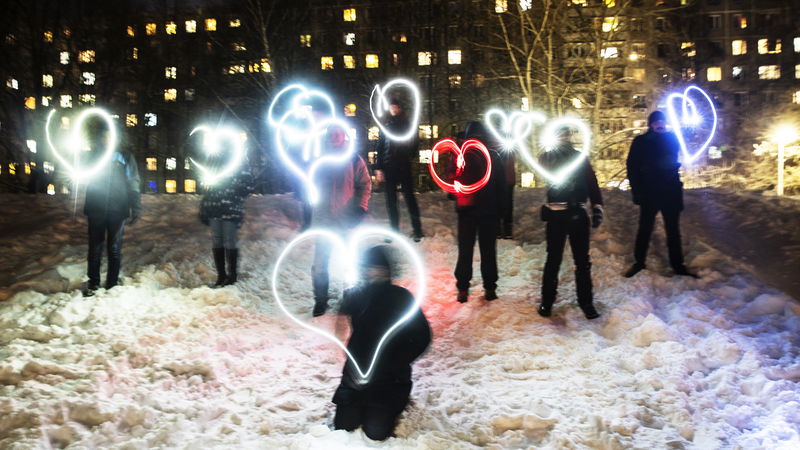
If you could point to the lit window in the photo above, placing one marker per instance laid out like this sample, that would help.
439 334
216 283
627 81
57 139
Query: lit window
234 69
425 156
170 72
131 31
170 95
771 72
349 61
797 45
86 99
189 186
131 120
796 97
428 132
150 119
349 15
526 179
48 36
638 74
150 29
31 144
610 24
171 163
305 40
65 124
350 110
65 101
28 168
326 62
740 21
48 167
525 4
610 3
350 38
261 65
191 26
371 61
769 46
400 37
373 133
609 52
64 57
424 58
739 47
171 28
12 83
12 168
86 56
500 6
524 104
46 100
688 49
454 57
234 23
395 59
151 163
737 72
455 81
714 73
797 71
51 189
211 24
576 103
66 32
30 102
238 46
47 80
87 78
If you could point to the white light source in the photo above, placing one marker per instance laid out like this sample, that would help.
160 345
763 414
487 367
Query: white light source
689 117
76 142
212 144
379 105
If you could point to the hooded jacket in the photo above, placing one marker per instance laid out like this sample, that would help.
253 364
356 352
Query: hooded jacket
114 192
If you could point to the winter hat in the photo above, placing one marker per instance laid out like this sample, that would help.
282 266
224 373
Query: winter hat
655 116
377 256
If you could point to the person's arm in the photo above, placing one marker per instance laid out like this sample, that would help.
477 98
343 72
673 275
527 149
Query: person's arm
633 166
134 188
363 184
595 195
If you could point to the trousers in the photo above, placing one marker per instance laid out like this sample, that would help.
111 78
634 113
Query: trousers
105 231
572 224
224 233
485 227
407 188
647 219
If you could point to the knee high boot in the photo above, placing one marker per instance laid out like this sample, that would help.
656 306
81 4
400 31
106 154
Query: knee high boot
583 287
232 257
219 262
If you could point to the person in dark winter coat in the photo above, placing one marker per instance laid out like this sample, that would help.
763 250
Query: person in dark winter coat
656 186
393 167
509 161
479 215
113 196
566 217
222 208
344 202
373 307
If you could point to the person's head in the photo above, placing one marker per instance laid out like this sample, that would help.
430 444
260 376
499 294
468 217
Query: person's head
657 121
395 108
563 134
376 265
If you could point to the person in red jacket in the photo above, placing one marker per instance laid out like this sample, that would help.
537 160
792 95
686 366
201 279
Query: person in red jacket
566 217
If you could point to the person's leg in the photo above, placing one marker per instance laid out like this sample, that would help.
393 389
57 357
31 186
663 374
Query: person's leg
647 217
467 228
348 416
319 274
487 242
115 228
556 236
407 187
218 250
379 423
390 185
97 234
508 216
230 230
579 243
672 227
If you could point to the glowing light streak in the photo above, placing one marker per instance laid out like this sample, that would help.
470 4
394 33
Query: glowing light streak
549 140
379 102
514 129
76 142
348 255
310 138
212 138
689 117
448 145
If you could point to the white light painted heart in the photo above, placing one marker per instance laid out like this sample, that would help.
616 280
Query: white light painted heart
456 187
348 255
212 143
314 140
76 142
690 117
379 105
514 129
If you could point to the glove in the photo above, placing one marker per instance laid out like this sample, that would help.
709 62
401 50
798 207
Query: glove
597 216
134 217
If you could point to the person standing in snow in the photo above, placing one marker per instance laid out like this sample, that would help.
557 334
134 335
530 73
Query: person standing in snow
566 217
344 192
393 167
373 307
508 161
656 186
479 215
222 208
112 196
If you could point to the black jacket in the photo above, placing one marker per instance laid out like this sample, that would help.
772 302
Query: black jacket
114 192
491 199
225 199
373 309
395 158
579 186
653 169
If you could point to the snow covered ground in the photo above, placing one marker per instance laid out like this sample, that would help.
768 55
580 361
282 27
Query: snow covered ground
166 361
